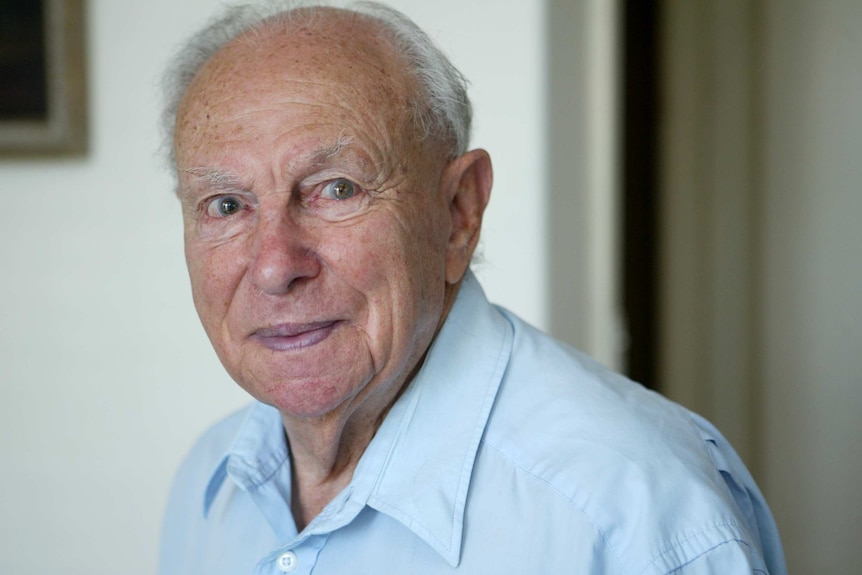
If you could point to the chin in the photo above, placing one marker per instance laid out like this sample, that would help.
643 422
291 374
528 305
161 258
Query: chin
305 397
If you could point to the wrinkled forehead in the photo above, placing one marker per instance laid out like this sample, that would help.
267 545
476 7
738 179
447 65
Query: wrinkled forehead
334 55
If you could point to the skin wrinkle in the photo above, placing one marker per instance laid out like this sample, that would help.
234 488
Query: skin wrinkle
381 268
228 182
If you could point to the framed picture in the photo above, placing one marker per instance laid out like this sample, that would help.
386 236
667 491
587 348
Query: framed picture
42 77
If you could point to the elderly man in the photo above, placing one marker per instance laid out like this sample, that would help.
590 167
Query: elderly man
402 424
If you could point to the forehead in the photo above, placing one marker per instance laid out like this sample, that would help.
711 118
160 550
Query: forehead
335 57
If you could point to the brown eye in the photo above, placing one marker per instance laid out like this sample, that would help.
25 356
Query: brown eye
339 190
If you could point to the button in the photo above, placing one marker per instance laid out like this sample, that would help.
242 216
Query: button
287 562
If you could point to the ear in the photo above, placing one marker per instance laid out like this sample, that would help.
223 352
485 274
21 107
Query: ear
467 183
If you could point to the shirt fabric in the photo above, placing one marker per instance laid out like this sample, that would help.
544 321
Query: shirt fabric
509 452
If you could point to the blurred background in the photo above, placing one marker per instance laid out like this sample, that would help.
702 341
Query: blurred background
678 189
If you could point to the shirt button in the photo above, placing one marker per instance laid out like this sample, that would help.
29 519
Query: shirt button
287 562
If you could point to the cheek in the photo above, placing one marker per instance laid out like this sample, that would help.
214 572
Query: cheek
365 255
213 274
410 254
425 250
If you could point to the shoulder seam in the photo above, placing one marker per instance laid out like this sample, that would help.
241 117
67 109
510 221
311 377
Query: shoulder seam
690 560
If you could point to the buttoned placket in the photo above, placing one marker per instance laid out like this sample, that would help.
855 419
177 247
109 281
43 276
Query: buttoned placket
297 560
300 556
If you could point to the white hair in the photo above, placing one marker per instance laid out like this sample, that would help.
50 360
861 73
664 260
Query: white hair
441 110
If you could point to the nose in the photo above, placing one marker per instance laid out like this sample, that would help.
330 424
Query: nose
283 256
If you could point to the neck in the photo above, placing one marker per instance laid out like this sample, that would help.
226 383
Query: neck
325 452
323 461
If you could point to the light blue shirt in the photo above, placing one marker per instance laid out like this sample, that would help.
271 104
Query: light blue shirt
508 453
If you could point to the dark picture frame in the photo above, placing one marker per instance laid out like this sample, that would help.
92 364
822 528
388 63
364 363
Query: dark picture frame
42 78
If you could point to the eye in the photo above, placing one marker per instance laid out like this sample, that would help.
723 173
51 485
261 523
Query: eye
224 206
339 189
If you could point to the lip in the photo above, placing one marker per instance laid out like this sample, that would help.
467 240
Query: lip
294 336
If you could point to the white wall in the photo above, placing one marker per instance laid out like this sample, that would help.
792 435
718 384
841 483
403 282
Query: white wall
584 213
105 375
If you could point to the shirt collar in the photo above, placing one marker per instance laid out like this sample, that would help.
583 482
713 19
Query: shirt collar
257 451
417 469
434 438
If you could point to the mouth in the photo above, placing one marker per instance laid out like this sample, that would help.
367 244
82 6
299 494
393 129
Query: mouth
294 336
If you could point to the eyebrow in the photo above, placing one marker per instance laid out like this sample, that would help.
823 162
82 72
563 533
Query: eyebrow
214 176
326 153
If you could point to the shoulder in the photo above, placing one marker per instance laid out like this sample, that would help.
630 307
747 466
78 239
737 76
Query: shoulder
554 398
650 476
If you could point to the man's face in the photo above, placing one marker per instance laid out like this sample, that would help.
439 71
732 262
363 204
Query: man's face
315 229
